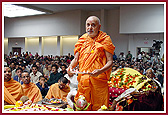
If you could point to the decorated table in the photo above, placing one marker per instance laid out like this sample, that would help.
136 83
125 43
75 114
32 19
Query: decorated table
43 105
132 91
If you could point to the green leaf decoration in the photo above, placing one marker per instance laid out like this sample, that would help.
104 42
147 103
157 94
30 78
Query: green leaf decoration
77 107
81 109
86 107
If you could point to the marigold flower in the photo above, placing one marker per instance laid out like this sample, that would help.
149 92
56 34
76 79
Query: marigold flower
129 101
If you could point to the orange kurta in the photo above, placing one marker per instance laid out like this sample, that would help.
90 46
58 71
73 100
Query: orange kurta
32 91
12 91
92 56
56 92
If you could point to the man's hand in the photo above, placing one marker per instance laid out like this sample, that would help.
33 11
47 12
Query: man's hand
42 83
108 65
64 105
95 73
69 69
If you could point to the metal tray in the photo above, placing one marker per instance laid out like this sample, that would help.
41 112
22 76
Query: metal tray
48 101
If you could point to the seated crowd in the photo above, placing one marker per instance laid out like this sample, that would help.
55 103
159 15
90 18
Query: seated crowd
41 77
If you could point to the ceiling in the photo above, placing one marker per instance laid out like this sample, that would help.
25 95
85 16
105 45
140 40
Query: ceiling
54 8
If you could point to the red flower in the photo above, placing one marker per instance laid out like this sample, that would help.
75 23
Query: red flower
143 87
131 82
126 80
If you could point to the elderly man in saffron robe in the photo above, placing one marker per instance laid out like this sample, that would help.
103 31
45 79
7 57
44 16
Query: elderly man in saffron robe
94 54
12 89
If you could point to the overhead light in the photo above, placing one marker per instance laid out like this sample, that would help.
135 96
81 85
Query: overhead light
11 10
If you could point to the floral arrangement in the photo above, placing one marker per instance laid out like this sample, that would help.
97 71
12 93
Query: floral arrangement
35 107
81 104
129 78
135 85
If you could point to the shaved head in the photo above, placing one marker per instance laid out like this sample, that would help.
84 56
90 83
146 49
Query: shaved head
93 26
95 18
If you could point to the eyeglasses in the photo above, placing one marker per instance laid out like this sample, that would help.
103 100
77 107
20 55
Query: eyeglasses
25 76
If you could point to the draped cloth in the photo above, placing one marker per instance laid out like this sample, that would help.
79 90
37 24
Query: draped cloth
32 91
12 91
92 56
57 93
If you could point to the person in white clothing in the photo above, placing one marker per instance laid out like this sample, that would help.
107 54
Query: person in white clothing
121 56
35 74
70 98
139 56
73 82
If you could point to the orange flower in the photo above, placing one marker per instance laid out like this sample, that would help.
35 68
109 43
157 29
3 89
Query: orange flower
119 107
112 79
149 86
128 84
126 81
117 77
125 87
129 101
